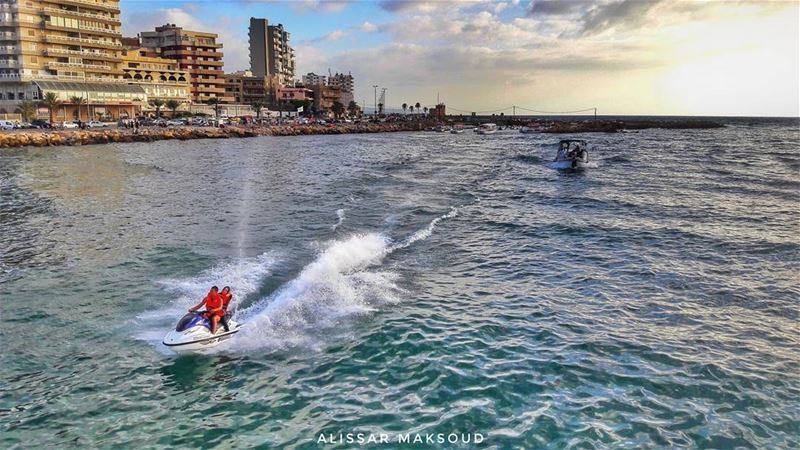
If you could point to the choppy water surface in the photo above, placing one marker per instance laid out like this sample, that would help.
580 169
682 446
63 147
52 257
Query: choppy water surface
409 282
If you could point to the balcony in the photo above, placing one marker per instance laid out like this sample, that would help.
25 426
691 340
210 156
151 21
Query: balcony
78 65
9 49
70 12
84 53
92 5
81 41
83 29
8 36
8 63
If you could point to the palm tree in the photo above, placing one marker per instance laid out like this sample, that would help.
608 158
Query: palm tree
173 106
157 103
78 101
337 109
405 107
214 101
412 109
27 109
51 102
352 108
416 105
425 110
380 108
257 107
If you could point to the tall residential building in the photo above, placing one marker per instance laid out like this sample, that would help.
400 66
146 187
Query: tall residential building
69 47
245 88
270 52
312 79
196 52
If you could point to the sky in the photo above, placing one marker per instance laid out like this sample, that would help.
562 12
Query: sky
659 57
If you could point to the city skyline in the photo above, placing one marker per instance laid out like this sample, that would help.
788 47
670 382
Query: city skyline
624 57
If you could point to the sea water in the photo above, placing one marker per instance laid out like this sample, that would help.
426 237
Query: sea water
407 285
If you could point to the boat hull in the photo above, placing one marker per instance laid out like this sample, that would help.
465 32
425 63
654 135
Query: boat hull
198 338
568 165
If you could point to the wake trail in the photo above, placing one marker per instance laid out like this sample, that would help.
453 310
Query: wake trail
343 281
340 215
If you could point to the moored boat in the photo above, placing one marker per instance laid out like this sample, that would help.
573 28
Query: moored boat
487 128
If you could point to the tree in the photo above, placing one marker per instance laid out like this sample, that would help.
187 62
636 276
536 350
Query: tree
215 102
412 109
337 109
51 102
157 104
380 108
173 106
27 109
257 107
405 107
352 108
417 105
425 110
78 101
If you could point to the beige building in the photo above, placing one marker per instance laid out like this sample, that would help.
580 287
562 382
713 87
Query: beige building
159 77
244 88
69 47
197 53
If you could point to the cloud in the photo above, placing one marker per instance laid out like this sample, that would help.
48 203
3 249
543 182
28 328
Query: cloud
335 35
321 5
368 27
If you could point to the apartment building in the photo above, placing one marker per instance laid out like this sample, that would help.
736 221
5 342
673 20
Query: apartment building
196 52
161 78
69 47
346 83
271 55
312 79
244 87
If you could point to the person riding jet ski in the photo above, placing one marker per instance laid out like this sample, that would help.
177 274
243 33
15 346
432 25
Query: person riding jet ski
226 300
214 311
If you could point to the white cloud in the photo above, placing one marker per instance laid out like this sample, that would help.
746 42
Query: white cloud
368 27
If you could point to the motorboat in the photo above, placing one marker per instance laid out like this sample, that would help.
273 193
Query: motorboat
487 128
442 129
458 129
193 334
572 154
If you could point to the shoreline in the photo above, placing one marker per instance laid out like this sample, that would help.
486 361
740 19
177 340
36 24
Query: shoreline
41 138
55 138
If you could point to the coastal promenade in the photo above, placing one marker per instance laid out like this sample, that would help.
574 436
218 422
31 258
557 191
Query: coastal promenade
47 138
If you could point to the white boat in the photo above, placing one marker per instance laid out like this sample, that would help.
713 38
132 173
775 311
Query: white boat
487 128
527 130
193 334
458 129
572 155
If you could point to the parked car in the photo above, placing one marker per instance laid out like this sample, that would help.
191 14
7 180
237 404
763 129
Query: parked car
7 125
95 124
39 123
69 124
176 123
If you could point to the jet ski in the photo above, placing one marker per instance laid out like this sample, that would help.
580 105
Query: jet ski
193 334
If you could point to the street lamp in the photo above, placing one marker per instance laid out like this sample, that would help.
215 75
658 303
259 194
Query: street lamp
375 111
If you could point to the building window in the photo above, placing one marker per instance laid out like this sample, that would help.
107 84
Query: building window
20 96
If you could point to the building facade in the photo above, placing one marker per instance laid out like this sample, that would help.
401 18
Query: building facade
346 83
160 78
198 53
312 79
71 48
271 55
245 88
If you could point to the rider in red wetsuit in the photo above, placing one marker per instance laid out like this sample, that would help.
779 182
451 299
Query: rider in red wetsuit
226 296
213 302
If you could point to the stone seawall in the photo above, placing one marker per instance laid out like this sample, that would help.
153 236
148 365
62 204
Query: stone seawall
42 138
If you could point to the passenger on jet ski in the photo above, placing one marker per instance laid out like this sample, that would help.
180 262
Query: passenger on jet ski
213 303
226 300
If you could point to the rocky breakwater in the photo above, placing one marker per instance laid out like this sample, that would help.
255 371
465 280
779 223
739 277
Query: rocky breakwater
613 126
44 138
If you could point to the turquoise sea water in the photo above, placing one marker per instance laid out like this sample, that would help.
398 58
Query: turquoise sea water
407 283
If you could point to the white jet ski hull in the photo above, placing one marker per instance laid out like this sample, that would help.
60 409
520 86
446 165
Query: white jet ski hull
199 338
567 165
